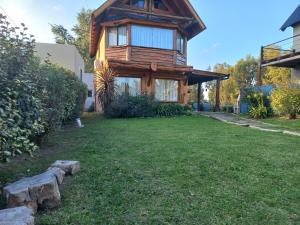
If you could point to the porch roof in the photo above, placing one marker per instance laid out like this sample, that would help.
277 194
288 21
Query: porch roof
201 76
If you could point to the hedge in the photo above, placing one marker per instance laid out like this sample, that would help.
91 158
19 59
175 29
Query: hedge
35 98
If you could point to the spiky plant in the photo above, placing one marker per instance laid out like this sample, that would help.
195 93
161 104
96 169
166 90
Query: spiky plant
105 86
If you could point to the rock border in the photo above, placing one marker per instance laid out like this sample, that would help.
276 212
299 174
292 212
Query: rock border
26 196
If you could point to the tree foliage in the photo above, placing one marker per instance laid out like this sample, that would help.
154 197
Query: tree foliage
28 95
80 38
286 101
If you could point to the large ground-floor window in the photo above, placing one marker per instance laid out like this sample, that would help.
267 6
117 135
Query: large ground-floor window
166 90
128 85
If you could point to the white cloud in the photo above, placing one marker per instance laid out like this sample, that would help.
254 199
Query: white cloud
57 8
208 50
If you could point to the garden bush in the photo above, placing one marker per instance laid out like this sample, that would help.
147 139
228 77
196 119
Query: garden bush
169 110
286 101
34 98
259 105
126 106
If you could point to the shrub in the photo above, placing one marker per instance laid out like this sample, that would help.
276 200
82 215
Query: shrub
286 101
34 98
259 105
126 106
169 110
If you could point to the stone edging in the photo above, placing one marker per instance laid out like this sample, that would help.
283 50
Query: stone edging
26 196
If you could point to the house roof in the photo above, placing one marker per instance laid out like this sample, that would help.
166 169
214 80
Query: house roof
186 8
201 76
292 20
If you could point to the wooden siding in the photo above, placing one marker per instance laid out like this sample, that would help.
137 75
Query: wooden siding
145 55
119 53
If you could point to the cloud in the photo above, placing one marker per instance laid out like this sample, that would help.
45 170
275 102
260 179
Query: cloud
211 48
57 8
215 45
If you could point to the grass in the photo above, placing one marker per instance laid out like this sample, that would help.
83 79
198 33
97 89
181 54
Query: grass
284 123
187 170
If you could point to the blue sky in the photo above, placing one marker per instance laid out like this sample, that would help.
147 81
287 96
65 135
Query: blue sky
235 28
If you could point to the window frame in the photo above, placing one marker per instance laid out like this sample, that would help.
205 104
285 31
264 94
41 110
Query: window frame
144 7
117 28
153 27
181 49
160 10
130 77
178 90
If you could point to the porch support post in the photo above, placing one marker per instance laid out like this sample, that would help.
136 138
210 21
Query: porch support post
259 70
199 97
218 95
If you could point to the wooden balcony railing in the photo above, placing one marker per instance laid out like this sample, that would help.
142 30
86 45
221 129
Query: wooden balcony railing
280 50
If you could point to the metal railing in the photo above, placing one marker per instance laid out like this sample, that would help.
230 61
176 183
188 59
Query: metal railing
281 49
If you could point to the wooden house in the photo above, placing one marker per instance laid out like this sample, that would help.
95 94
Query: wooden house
284 53
145 43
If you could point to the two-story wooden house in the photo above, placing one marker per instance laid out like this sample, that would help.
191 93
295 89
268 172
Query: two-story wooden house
145 43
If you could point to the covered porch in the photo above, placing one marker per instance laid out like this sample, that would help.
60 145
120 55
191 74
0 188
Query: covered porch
198 77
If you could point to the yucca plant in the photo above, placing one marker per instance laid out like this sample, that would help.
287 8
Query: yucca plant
105 86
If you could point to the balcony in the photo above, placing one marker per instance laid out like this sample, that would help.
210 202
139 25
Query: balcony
285 53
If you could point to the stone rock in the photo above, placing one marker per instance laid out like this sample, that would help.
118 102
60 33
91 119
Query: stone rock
17 216
70 167
44 190
38 191
17 194
58 173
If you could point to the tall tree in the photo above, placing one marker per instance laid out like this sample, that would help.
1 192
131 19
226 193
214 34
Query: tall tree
80 38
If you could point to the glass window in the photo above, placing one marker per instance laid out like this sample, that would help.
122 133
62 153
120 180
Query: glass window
152 37
180 43
117 36
138 3
128 85
159 5
90 93
166 90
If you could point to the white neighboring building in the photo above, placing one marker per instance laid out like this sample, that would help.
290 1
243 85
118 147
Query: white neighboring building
88 79
68 57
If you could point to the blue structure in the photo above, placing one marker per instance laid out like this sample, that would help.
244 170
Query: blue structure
244 107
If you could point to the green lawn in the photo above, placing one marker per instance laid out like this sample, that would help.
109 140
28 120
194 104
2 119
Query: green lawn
187 170
284 123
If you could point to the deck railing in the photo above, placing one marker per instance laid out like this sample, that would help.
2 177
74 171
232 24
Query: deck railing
281 49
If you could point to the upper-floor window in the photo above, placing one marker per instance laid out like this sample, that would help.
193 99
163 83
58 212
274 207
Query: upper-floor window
158 4
152 37
138 3
117 36
180 43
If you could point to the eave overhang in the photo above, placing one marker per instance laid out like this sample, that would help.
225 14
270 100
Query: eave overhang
201 76
196 25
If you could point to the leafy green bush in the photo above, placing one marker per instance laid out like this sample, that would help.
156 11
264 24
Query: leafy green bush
62 95
34 98
126 106
286 101
259 105
169 110
20 109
